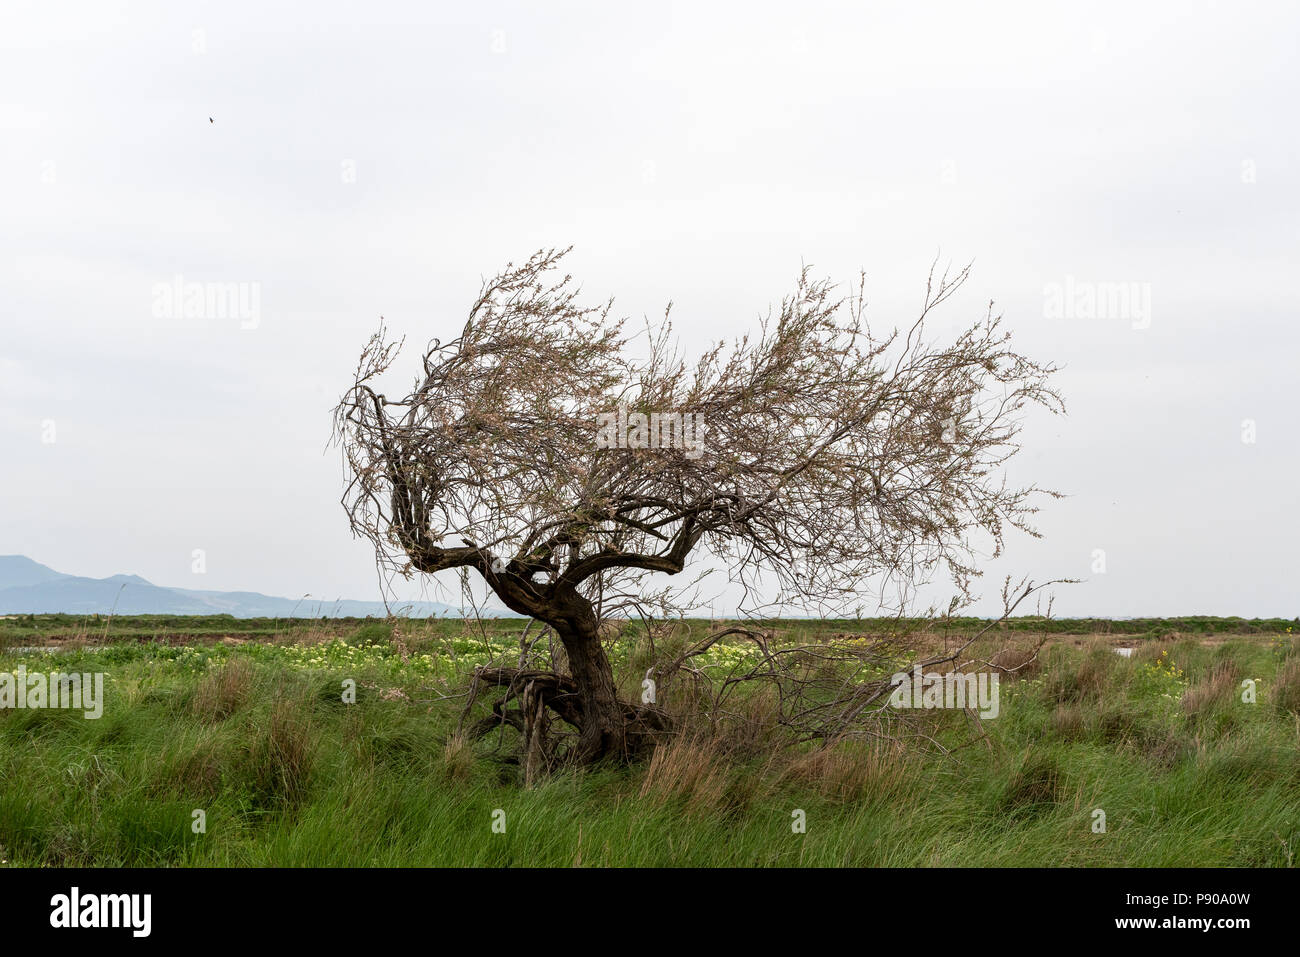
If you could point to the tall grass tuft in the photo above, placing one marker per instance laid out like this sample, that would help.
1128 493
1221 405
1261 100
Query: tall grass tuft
223 690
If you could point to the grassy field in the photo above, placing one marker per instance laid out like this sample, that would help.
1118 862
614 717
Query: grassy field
184 629
246 722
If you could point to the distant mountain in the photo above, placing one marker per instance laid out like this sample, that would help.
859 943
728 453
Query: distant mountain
17 570
28 587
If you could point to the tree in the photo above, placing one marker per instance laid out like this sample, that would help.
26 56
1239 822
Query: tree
540 452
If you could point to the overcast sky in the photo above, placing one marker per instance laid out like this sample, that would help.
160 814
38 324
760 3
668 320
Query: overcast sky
376 159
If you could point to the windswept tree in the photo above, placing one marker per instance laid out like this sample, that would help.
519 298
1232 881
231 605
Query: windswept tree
565 462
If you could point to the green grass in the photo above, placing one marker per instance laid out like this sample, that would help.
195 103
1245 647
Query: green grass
258 736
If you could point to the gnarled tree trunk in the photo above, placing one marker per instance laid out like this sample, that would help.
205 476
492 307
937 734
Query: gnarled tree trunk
582 691
604 717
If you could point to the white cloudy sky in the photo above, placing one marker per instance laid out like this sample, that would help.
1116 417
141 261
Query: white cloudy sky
693 152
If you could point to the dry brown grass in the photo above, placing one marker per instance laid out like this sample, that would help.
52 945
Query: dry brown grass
223 691
1223 665
1015 662
1068 722
741 727
458 757
850 771
1068 681
1286 692
686 768
1214 691
753 729
1149 652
